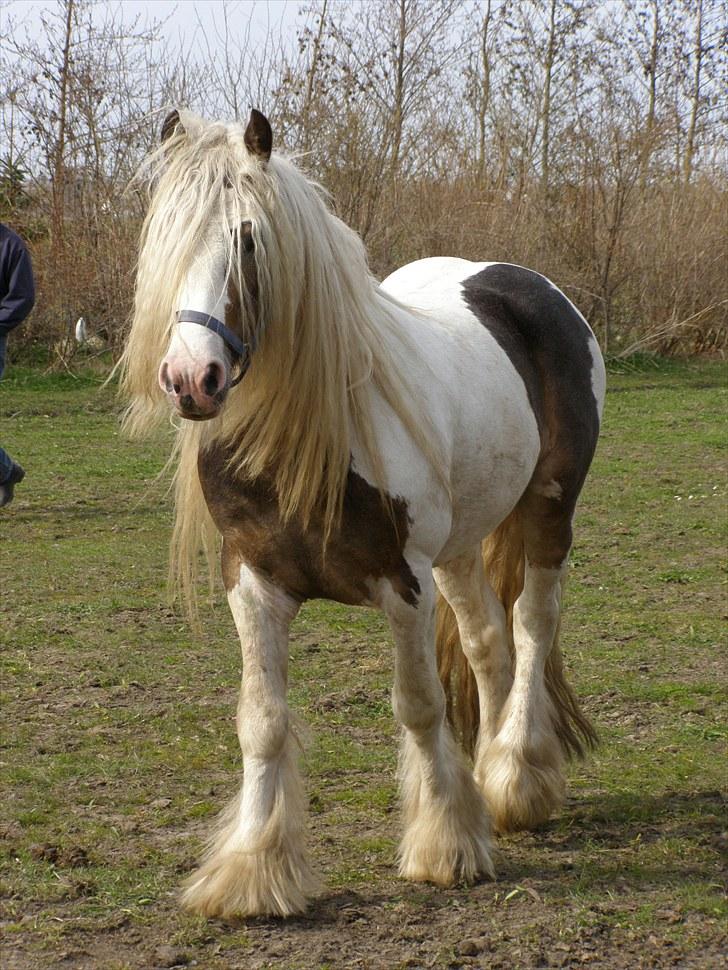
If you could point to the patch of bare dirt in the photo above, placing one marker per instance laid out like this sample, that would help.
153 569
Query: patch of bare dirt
408 928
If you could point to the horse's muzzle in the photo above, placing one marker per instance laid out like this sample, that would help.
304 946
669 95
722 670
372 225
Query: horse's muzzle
198 394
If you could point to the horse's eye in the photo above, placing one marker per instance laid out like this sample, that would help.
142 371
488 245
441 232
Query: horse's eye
246 236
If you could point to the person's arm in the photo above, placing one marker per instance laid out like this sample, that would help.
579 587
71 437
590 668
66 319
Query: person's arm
18 301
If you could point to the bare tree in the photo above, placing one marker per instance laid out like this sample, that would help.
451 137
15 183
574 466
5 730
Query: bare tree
587 140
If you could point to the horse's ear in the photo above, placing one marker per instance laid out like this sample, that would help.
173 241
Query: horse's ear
258 135
172 126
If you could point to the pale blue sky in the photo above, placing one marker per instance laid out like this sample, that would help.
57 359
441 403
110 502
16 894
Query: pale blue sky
182 16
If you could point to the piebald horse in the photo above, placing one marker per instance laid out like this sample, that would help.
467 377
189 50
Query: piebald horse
416 445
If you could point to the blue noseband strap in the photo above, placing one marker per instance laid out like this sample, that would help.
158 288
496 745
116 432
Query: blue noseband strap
234 342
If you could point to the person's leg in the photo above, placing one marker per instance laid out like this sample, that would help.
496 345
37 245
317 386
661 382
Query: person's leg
6 466
10 471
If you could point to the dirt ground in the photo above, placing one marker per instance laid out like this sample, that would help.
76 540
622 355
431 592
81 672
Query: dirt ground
573 894
118 747
395 925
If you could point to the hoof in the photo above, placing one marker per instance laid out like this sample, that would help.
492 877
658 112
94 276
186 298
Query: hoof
240 884
439 855
447 832
522 788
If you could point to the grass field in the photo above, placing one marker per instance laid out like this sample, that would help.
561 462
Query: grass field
118 743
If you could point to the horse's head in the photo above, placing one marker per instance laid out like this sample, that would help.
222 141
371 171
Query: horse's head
210 346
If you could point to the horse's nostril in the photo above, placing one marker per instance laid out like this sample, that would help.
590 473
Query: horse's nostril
177 388
164 379
212 380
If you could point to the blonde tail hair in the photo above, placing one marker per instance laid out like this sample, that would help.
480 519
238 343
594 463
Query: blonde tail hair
503 561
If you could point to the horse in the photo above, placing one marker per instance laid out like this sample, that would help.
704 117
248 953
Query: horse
417 446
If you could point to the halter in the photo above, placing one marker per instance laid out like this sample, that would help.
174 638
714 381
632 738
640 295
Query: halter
238 347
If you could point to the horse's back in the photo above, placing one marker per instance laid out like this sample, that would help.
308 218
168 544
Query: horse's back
522 309
543 335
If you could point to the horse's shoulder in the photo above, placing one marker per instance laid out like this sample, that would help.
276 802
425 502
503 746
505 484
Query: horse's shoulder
366 545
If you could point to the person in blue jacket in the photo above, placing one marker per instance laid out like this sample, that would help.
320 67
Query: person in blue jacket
17 296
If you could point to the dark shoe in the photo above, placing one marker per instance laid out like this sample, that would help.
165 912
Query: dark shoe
7 489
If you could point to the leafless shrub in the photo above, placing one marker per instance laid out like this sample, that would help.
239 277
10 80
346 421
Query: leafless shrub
586 140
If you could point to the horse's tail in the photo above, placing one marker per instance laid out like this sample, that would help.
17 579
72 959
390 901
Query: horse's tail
503 561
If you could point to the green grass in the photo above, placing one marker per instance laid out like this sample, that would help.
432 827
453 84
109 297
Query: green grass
118 743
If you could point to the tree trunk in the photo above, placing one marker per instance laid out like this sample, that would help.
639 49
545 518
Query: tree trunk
484 94
652 95
695 96
59 165
311 78
546 106
398 119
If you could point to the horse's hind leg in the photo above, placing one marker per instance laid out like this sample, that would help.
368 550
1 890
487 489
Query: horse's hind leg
256 864
482 625
523 771
447 830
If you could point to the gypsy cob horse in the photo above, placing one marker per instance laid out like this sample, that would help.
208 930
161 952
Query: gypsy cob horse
417 446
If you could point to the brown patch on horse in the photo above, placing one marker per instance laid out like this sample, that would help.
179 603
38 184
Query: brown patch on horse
367 545
547 342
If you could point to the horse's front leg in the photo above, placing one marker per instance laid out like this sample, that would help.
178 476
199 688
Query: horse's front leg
255 863
447 829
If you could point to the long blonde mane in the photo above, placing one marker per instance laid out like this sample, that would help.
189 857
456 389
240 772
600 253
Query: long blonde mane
329 334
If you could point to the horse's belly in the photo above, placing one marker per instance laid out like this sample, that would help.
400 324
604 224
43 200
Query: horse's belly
490 477
489 433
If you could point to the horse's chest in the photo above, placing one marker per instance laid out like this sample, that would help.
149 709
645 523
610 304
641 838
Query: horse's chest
368 545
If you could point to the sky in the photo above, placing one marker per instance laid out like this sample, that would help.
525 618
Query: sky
182 17
185 24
